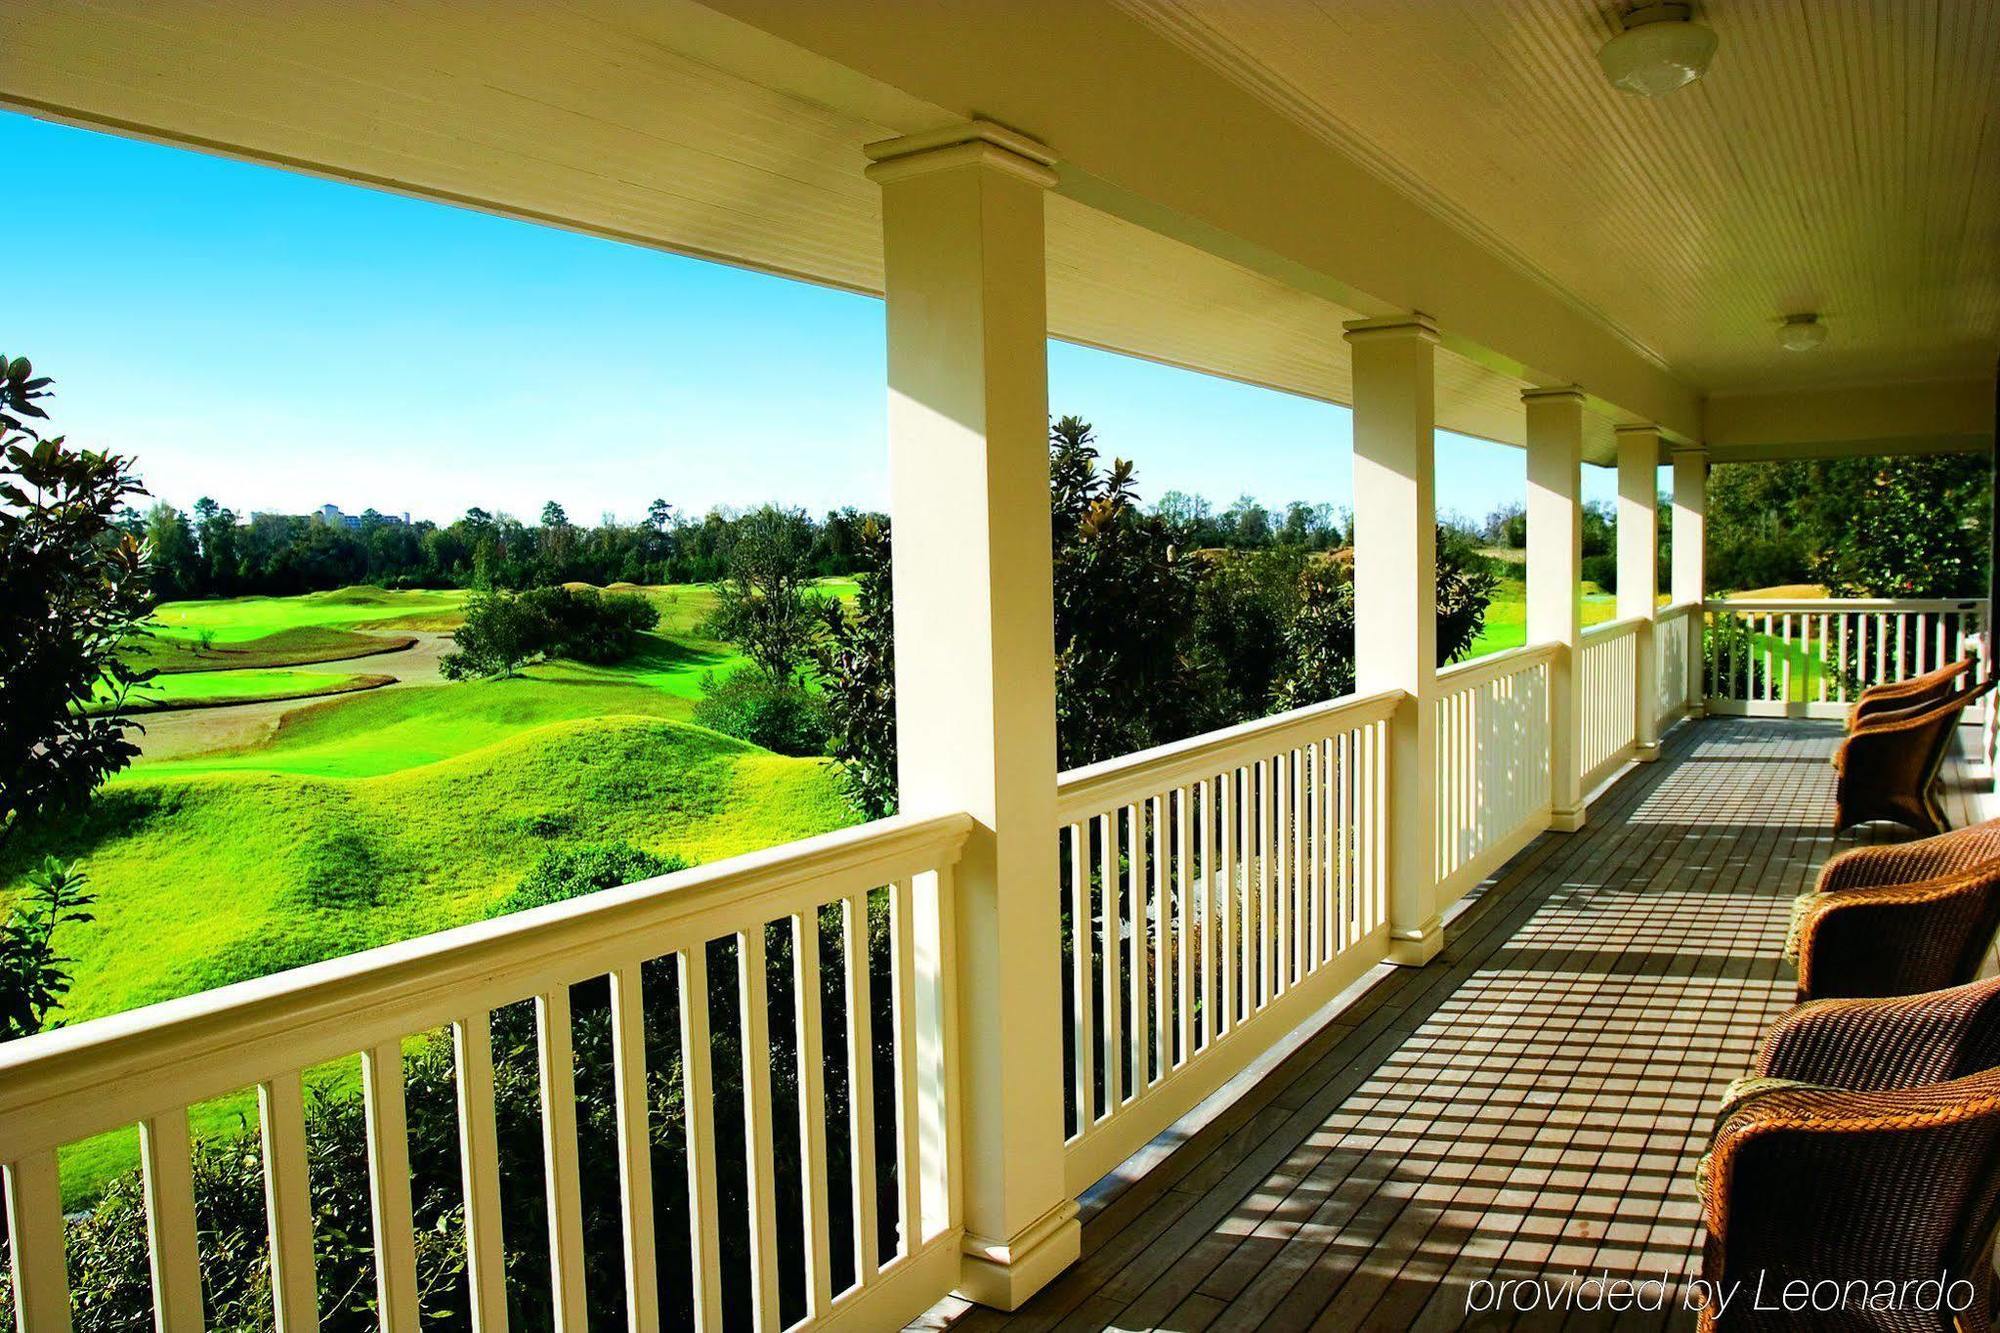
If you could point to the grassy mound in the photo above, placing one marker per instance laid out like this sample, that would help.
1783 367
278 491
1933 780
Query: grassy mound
298 646
208 878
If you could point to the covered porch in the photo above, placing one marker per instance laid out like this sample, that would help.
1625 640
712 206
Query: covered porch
1071 963
1530 1107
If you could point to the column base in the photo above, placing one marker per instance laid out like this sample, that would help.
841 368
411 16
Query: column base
1413 947
1646 754
1568 821
1004 1274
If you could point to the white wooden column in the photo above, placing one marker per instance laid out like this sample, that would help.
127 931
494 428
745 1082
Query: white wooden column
1555 587
1690 567
1639 573
1395 600
975 652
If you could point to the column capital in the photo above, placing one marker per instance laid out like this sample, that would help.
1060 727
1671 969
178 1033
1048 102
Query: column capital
978 143
1416 324
1559 393
1688 451
1637 428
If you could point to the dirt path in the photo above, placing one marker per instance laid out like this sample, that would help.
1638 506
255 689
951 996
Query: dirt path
175 735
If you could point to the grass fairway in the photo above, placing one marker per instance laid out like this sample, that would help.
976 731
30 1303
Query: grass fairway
219 689
237 620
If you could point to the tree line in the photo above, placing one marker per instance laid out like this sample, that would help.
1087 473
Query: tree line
211 551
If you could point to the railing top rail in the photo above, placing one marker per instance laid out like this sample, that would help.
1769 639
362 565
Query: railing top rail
1474 672
72 1082
1614 629
1094 788
1677 609
1833 604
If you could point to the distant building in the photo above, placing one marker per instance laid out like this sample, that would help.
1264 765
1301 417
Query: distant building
332 514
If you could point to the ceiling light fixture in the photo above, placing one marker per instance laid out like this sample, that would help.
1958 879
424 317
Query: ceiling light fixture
1661 49
1801 333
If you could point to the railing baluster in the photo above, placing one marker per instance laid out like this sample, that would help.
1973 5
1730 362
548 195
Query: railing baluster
1226 890
389 1186
165 1153
1263 815
760 1152
479 1165
1107 887
35 1234
556 1063
698 1103
1183 902
1163 943
635 1147
861 1076
1083 1034
909 1157
281 1113
810 1047
1204 795
1281 909
1135 947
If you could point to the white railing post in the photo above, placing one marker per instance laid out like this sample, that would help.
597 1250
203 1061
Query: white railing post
1691 559
1395 601
1555 590
1639 575
962 232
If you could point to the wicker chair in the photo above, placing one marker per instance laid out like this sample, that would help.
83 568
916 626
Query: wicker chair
1866 1148
1898 939
1889 764
1911 693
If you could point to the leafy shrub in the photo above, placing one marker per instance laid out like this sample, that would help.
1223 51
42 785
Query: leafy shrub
1601 570
750 706
504 630
856 657
571 872
33 976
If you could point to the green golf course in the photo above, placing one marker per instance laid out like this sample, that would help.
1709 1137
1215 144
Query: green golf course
365 818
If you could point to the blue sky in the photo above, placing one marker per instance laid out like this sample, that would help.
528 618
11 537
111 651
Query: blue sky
279 342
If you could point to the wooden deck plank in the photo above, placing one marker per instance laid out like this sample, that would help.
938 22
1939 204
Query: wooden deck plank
1531 1103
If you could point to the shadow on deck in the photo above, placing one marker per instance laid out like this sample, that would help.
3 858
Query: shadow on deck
1530 1105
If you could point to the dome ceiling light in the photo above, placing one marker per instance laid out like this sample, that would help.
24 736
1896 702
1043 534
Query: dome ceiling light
1661 49
1801 333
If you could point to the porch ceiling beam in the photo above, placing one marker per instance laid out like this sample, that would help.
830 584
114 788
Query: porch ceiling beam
1922 418
1147 131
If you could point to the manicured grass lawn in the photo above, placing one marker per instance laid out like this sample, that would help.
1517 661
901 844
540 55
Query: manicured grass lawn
215 689
1507 616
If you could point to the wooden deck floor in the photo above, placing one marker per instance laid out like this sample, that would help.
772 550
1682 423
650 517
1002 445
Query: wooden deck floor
1531 1104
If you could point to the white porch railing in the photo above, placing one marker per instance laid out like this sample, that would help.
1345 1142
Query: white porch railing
1607 697
149 1066
1215 892
1813 658
1678 690
1492 763
1218 891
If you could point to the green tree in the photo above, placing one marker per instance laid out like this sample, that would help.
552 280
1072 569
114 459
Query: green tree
74 590
1320 643
176 554
856 657
767 607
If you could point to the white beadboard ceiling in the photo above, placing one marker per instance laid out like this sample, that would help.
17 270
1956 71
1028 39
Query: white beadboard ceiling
1841 156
